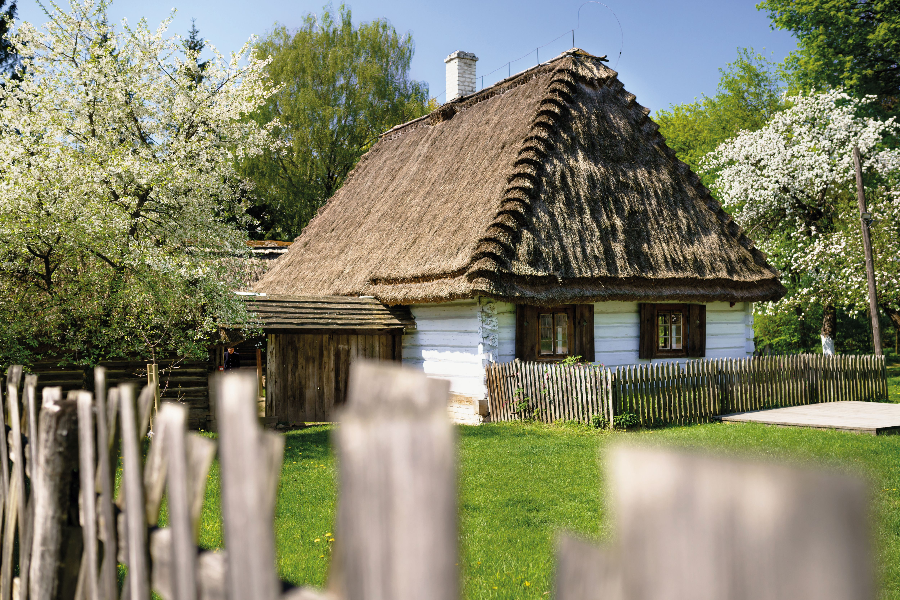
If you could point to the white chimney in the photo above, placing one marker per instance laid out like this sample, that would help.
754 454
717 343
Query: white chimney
460 74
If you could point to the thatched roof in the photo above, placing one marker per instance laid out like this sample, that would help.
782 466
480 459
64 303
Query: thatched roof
550 186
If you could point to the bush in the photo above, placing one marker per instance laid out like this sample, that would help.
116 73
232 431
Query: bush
599 422
626 420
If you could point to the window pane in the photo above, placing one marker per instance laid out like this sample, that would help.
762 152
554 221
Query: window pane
663 319
562 334
546 334
676 331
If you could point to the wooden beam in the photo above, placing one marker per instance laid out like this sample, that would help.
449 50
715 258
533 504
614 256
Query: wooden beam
867 246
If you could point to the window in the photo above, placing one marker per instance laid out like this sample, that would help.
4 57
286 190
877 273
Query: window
554 334
551 333
672 330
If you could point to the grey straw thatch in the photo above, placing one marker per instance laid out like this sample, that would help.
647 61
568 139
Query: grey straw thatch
551 186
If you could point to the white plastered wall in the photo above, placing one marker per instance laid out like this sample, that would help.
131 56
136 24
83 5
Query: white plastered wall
456 340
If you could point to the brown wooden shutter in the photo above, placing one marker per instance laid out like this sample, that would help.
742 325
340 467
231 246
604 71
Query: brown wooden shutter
526 332
647 340
584 331
697 330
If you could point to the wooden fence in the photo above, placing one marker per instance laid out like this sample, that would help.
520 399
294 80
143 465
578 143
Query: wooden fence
183 380
692 392
64 530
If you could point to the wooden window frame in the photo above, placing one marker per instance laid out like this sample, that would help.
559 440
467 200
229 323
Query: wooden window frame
569 311
684 310
580 322
693 335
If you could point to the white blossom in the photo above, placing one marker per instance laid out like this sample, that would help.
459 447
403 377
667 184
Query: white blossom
792 186
115 161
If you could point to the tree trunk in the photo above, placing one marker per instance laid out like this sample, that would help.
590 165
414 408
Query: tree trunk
829 328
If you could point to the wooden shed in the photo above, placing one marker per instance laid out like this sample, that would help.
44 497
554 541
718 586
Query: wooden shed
311 342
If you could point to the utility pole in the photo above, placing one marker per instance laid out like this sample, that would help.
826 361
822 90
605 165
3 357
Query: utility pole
864 219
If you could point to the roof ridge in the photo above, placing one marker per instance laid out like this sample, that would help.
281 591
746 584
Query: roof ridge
496 247
446 110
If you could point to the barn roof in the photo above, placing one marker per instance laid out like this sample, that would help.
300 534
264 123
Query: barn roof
295 314
550 186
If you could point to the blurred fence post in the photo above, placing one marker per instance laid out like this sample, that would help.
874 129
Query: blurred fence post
691 526
251 465
396 519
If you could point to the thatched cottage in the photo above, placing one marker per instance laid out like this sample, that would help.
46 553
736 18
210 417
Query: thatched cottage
539 218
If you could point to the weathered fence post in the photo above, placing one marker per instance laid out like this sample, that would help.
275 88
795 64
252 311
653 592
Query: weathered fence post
173 418
251 463
585 572
153 384
138 578
16 514
106 521
610 379
87 476
396 517
56 544
721 380
696 527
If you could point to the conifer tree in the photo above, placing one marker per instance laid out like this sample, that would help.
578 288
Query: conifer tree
193 46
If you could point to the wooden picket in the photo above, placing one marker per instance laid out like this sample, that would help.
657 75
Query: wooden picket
692 392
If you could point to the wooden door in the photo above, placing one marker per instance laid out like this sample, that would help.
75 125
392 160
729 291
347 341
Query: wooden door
307 373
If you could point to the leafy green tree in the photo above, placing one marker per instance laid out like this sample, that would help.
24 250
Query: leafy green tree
341 87
849 44
8 57
749 93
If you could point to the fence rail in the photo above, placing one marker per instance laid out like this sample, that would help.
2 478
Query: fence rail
693 392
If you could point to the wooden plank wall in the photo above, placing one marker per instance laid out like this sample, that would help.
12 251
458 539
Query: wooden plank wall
183 380
445 343
307 373
694 392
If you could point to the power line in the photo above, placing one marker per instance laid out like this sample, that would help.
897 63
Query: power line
621 31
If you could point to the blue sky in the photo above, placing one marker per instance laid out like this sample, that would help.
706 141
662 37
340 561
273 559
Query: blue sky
671 52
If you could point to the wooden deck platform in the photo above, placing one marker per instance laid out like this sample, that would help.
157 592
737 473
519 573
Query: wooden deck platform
873 418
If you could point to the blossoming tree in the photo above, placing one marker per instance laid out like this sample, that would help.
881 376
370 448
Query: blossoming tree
118 191
792 185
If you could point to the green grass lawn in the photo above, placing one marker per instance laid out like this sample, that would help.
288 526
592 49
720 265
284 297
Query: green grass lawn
521 484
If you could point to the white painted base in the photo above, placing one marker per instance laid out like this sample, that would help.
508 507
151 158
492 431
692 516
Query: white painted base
827 346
